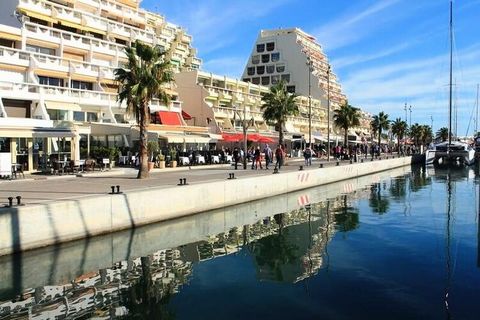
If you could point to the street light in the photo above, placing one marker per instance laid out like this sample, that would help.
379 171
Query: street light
405 108
410 109
328 113
310 69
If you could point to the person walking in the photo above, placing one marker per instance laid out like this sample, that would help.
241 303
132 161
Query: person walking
257 158
307 154
268 156
236 157
279 157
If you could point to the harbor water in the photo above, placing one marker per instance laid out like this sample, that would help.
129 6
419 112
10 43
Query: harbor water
402 244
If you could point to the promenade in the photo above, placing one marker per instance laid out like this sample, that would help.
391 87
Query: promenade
36 189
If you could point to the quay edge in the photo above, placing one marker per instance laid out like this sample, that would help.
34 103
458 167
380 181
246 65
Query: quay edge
35 226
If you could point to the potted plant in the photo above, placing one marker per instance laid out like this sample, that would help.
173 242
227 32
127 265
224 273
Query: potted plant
152 149
173 157
161 160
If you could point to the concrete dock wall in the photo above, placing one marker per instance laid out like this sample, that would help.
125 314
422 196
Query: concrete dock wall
29 227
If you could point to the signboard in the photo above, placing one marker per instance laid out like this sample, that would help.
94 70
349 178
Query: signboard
5 164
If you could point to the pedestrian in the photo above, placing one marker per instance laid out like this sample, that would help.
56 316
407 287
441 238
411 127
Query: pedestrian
268 156
258 158
278 157
236 157
307 154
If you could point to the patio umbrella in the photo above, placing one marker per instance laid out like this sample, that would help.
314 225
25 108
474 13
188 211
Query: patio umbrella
263 139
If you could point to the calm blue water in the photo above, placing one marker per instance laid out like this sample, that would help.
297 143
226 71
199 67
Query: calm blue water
401 248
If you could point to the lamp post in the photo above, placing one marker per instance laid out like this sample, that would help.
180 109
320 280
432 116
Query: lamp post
431 120
328 113
410 109
405 108
309 64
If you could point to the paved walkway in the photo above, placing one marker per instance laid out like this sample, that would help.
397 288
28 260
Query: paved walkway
39 189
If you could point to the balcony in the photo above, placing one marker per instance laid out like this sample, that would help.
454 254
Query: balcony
14 57
25 122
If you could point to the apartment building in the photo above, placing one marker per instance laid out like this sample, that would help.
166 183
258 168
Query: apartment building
57 88
222 104
295 57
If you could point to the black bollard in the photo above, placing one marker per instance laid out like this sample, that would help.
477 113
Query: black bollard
113 189
10 201
118 189
321 165
181 182
301 168
338 163
351 161
19 200
185 181
361 160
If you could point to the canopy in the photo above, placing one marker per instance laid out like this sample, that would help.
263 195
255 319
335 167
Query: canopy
186 116
237 137
170 118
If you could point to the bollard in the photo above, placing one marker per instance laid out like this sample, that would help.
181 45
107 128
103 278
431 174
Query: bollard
338 163
113 189
301 168
118 189
10 201
19 200
231 176
181 182
351 161
361 160
321 165
184 181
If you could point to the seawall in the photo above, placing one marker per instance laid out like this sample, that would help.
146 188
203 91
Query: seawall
30 227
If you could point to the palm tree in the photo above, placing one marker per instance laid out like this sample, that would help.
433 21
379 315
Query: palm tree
427 134
143 79
416 133
278 104
380 122
399 129
442 133
346 117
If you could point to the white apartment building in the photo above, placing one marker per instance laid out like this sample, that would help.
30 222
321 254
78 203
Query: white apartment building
57 88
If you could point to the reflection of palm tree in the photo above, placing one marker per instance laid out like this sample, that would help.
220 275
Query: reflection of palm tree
378 203
398 188
419 179
346 217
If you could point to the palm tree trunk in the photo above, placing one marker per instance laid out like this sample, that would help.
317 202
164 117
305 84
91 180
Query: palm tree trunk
379 136
143 169
280 133
345 138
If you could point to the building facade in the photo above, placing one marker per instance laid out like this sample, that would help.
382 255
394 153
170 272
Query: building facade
57 88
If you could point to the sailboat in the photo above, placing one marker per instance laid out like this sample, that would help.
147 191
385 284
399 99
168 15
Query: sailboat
450 152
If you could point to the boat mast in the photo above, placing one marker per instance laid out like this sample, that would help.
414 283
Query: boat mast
450 84
476 117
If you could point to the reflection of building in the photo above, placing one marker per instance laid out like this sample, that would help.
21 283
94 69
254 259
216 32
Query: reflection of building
57 88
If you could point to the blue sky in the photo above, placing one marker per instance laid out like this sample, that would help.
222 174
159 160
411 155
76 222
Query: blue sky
385 52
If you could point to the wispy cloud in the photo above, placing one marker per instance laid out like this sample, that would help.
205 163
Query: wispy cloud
353 26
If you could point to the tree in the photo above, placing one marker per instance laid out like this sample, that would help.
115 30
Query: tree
442 134
427 134
416 133
380 122
346 117
399 129
142 79
278 104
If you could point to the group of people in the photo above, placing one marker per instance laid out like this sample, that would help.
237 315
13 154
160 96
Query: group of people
257 156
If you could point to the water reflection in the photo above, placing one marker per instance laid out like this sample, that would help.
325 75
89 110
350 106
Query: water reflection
286 247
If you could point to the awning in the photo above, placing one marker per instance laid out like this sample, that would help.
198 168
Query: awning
183 138
186 116
170 118
53 134
62 106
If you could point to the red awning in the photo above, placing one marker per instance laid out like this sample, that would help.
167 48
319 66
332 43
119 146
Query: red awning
170 118
186 116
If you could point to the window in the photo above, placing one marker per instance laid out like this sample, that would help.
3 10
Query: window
275 57
78 116
256 59
75 84
275 79
265 81
38 49
246 79
286 78
261 47
49 81
280 68
120 118
270 46
265 58
291 89
271 69
256 80
251 71
58 114
260 69
92 117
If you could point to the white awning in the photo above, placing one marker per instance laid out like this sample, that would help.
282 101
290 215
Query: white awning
53 134
55 105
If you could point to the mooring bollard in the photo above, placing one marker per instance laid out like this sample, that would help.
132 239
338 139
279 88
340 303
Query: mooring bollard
19 200
301 168
184 181
10 201
118 190
338 163
181 182
321 165
113 189
231 176
351 161
361 160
